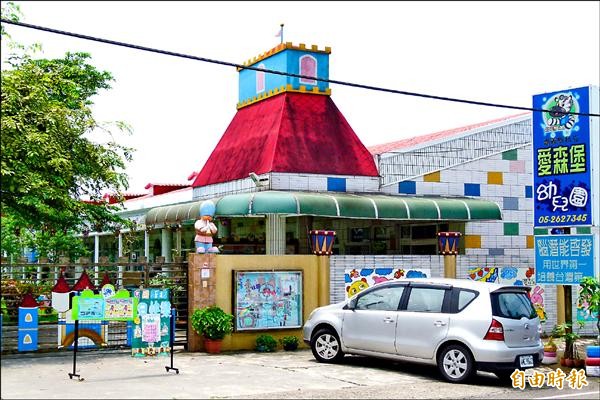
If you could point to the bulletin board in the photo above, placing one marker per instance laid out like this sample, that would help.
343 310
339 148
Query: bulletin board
152 327
267 300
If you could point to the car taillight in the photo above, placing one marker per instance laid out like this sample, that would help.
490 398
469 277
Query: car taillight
496 331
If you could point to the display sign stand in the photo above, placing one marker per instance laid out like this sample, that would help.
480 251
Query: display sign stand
75 345
172 340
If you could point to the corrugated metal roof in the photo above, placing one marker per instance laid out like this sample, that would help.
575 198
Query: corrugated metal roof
405 144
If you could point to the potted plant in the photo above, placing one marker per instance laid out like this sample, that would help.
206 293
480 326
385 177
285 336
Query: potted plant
550 351
565 332
266 343
213 324
589 301
589 298
289 343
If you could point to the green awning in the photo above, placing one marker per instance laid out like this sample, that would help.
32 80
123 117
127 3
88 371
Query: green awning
340 205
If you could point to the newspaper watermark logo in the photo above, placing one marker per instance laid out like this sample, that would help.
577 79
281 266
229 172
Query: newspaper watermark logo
576 379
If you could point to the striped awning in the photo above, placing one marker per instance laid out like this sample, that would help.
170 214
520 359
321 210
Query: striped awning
341 205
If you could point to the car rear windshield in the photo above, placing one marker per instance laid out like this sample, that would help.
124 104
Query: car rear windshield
513 305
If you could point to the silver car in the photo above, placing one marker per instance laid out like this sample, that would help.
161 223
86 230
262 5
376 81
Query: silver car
459 325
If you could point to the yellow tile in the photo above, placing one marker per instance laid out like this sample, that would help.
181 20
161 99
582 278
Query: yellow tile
495 178
432 177
473 241
530 241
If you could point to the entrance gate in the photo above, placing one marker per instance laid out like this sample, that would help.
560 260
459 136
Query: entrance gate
19 279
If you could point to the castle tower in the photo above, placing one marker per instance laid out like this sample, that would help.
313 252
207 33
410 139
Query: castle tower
288 125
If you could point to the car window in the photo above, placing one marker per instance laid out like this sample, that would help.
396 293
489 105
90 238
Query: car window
514 305
464 298
386 299
425 299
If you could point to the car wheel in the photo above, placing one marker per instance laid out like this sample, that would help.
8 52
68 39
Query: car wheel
325 346
456 363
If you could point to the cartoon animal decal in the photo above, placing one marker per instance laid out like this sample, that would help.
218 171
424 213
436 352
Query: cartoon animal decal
537 299
558 112
357 286
484 274
379 279
357 279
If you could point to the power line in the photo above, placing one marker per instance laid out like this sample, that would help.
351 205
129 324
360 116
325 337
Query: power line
332 81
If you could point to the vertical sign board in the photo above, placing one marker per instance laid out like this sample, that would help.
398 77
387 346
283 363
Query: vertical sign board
566 167
563 259
152 327
562 159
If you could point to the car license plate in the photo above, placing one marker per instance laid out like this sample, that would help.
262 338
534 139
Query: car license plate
526 361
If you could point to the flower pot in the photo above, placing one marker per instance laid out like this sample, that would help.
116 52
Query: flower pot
579 363
262 349
212 346
549 357
569 362
563 362
290 347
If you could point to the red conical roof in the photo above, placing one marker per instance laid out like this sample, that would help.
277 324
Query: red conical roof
61 285
105 279
28 301
84 282
289 132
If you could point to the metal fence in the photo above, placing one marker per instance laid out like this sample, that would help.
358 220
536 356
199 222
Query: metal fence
19 279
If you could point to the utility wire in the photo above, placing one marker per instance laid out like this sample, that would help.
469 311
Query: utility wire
208 60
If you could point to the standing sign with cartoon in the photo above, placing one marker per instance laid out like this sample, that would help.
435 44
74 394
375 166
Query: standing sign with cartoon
562 163
152 327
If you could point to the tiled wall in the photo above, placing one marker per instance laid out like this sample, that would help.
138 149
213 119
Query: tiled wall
338 265
322 183
504 178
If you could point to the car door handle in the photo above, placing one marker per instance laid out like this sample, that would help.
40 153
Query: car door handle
439 323
388 320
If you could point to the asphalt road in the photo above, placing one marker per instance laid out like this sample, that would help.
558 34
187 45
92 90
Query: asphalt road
290 375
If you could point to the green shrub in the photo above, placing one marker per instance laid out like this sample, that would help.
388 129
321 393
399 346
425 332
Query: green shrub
266 343
289 342
212 322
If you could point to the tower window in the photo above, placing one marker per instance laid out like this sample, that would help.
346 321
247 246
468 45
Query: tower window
260 79
308 66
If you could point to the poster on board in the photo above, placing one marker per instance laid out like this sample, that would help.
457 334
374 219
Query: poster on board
267 299
152 327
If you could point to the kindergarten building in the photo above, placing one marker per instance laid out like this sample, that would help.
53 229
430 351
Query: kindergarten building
289 162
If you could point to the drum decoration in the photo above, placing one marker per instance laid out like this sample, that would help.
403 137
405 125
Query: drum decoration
322 242
448 242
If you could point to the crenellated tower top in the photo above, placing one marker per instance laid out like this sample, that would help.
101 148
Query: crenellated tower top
310 61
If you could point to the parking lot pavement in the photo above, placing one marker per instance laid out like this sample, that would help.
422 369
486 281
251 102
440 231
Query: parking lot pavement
231 375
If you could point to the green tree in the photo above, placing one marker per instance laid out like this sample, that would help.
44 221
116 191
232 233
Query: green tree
49 162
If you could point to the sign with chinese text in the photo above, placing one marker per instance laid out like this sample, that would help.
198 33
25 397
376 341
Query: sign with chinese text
562 159
118 307
152 327
563 259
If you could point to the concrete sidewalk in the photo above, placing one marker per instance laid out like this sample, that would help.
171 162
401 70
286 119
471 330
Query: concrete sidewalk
246 374
113 375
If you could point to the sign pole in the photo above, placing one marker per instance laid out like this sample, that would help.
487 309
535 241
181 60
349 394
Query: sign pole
172 336
75 345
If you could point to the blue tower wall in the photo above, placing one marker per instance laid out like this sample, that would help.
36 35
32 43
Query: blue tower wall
285 58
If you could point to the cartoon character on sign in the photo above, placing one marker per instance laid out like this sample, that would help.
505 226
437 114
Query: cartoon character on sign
558 112
205 229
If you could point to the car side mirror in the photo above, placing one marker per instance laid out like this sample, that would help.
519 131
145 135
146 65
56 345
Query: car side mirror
351 304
